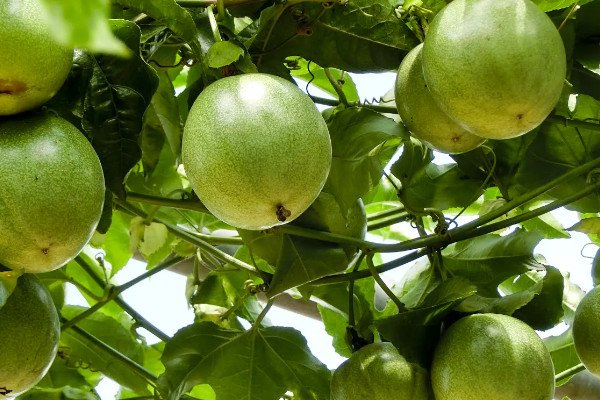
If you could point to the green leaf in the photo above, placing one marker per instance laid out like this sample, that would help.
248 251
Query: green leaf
361 139
557 149
413 332
549 5
61 374
66 393
107 96
441 187
259 364
223 53
83 24
315 74
155 237
545 310
548 225
333 301
170 14
296 260
589 226
563 353
116 242
111 332
488 260
363 35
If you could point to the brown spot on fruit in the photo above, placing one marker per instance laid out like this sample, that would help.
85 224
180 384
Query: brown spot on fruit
12 87
519 116
4 390
283 213
455 139
45 251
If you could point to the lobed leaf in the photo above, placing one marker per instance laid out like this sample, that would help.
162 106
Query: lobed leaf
258 364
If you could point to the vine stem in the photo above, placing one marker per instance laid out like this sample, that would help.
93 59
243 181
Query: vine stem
465 231
382 223
137 368
139 319
289 229
112 292
386 213
427 244
553 119
357 262
193 239
382 285
374 107
569 372
263 314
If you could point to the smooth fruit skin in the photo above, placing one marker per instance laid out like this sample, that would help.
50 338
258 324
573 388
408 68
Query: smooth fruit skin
33 66
256 150
491 357
586 331
28 337
52 192
378 371
495 67
421 114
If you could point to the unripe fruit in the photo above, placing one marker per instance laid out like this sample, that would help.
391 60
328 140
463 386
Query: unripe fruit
495 67
28 337
491 357
33 66
378 371
586 331
52 192
256 150
421 114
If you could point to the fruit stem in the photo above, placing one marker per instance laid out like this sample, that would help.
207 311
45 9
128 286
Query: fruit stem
336 86
358 261
262 315
382 285
569 372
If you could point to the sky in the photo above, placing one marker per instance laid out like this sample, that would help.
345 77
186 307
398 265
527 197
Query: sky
161 298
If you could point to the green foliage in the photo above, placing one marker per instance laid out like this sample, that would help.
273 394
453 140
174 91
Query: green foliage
461 232
276 360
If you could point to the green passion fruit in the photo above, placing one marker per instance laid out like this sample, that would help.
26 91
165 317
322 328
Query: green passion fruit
421 114
496 67
492 357
586 330
52 192
378 371
256 150
33 66
28 337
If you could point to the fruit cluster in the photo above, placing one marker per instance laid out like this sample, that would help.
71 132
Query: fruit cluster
52 190
487 70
